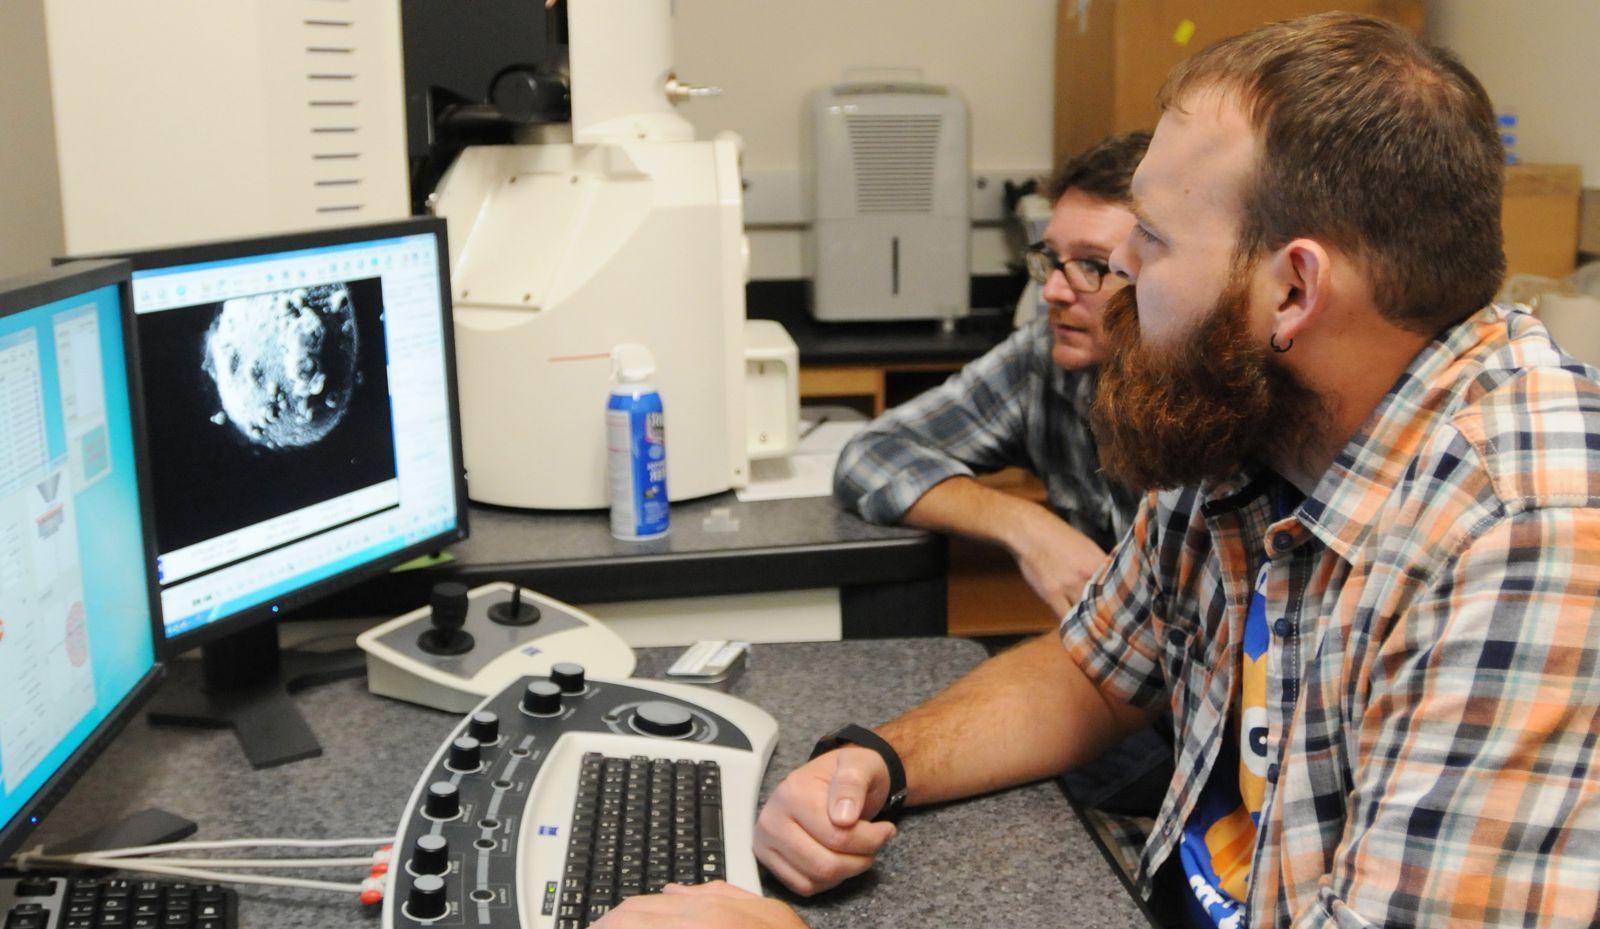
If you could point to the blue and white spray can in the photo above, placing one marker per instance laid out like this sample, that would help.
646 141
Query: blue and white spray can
636 445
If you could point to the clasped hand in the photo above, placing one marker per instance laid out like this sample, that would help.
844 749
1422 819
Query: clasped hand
815 832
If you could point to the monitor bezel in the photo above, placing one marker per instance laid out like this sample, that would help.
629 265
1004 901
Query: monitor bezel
201 252
30 292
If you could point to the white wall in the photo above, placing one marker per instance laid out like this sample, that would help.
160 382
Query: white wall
30 199
768 55
1539 57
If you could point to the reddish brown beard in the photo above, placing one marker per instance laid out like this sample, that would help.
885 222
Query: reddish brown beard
1201 411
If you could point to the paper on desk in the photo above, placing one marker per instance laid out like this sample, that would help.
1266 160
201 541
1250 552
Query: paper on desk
806 473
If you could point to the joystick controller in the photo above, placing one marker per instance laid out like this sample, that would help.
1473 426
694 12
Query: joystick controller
468 644
449 613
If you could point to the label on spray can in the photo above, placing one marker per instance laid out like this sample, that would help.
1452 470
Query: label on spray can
637 447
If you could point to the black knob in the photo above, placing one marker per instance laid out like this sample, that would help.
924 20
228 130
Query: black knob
448 613
667 720
427 898
430 854
568 675
464 754
484 726
443 802
542 698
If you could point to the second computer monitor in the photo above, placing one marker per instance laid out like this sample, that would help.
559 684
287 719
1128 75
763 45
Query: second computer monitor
303 429
76 595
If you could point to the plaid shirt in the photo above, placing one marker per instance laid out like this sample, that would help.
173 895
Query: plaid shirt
1434 671
1011 408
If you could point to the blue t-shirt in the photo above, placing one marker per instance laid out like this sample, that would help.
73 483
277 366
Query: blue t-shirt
1220 837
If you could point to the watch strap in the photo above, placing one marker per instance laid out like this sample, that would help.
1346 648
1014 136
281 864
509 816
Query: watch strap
865 738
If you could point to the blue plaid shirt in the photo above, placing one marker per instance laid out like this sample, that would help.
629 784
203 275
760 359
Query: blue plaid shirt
1011 408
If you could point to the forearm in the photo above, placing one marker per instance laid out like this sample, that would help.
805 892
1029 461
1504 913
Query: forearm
1023 715
962 506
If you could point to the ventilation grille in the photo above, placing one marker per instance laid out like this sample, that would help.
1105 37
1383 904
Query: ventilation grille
331 43
894 161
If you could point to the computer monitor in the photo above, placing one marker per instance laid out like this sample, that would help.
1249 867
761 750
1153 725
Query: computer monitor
304 435
77 584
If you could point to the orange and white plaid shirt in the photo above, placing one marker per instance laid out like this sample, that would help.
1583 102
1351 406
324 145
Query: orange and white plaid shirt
1433 694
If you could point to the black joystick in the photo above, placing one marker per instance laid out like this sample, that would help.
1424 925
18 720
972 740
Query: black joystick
514 612
427 900
449 608
484 726
541 698
430 854
568 675
667 720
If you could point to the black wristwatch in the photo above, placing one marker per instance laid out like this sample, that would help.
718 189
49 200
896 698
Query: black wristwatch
860 735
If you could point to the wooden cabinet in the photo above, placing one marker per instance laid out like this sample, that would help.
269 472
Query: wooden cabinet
987 593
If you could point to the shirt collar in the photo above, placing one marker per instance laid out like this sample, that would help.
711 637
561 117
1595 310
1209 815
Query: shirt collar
1342 507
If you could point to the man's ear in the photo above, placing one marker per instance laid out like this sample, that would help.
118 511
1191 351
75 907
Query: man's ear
1303 274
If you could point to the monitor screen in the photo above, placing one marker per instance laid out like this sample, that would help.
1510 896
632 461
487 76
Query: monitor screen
76 600
301 394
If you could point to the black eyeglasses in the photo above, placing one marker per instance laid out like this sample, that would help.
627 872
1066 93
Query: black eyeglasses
1084 275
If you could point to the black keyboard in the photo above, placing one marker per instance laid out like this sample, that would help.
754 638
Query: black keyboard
62 902
639 824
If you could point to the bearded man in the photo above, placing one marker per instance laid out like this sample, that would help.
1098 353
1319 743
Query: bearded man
1366 578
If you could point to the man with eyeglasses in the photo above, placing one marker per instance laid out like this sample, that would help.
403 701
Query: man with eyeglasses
1024 404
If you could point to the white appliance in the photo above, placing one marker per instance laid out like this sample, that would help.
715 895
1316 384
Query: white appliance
179 122
627 230
887 172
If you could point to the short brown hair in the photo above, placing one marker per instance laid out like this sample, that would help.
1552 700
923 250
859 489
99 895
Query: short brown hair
1102 171
1374 141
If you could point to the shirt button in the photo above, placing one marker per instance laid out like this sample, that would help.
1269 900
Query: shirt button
1280 627
1283 541
1272 773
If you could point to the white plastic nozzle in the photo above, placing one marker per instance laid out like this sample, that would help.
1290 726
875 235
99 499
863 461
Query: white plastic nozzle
631 363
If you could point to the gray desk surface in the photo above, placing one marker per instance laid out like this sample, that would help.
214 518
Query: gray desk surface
778 545
1017 858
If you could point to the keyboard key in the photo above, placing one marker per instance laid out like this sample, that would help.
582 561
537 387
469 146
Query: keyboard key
35 887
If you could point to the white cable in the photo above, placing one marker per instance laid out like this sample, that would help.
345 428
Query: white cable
263 863
140 866
237 843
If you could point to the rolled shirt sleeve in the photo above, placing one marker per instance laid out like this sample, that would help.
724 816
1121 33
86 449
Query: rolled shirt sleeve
973 423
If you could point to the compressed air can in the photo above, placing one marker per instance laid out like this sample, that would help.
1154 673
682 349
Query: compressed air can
636 446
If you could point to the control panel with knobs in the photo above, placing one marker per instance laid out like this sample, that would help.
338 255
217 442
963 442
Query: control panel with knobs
486 829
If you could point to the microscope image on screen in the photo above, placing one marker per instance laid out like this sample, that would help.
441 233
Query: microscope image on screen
284 363
285 392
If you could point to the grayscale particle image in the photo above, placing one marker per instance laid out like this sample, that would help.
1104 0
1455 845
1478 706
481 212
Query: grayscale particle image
284 364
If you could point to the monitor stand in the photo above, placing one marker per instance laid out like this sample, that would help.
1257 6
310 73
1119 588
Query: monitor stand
247 683
146 827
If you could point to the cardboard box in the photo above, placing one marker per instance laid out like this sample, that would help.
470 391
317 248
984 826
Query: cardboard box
1539 219
1589 221
1113 55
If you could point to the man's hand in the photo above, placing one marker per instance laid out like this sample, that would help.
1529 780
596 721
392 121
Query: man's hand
1056 559
813 834
709 906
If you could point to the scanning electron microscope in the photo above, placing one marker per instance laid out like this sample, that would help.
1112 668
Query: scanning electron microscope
615 225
